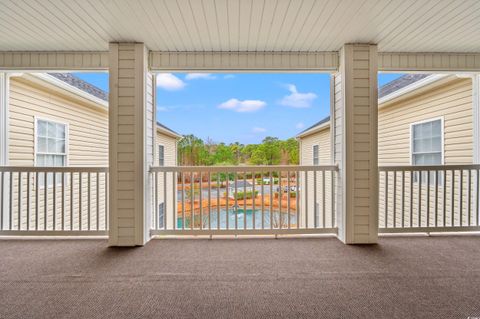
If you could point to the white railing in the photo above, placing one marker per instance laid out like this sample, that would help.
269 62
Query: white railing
243 200
429 198
53 200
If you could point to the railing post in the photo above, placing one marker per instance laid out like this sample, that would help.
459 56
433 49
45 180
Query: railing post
354 121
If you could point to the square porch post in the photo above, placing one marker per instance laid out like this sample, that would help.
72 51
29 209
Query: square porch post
354 123
131 129
4 107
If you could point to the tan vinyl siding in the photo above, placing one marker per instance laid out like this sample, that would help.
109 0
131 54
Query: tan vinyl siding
170 149
452 101
170 159
322 139
87 145
87 126
316 195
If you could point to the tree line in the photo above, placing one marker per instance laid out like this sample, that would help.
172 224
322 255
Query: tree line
193 151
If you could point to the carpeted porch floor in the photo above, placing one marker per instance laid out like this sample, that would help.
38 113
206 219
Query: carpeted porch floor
401 277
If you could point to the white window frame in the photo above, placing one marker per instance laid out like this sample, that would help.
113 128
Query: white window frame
442 148
313 154
35 141
158 148
442 136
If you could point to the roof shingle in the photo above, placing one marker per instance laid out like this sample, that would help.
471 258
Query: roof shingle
383 91
81 84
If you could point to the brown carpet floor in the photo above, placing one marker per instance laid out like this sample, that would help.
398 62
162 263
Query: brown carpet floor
420 277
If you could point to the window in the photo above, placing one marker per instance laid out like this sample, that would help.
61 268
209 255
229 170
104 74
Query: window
315 155
51 146
427 139
161 155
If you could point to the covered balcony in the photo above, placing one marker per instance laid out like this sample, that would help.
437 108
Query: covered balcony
345 227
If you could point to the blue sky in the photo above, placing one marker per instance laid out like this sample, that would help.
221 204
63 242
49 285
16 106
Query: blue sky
243 107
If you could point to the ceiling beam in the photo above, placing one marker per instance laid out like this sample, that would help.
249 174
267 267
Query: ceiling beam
51 61
239 61
244 61
428 62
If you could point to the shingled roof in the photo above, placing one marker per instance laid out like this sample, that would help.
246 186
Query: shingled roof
384 90
324 120
81 84
399 83
168 129
93 90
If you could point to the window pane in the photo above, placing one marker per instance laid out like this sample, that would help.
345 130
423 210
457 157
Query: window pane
437 159
51 129
436 128
49 160
42 144
59 160
426 130
437 144
417 131
60 131
42 128
60 146
51 145
40 160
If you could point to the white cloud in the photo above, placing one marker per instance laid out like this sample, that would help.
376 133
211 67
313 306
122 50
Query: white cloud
242 106
162 109
228 76
170 82
199 76
259 129
299 125
296 99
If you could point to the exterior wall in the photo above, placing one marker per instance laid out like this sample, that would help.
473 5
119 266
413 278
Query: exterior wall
452 102
87 145
322 139
170 152
87 126
170 144
319 205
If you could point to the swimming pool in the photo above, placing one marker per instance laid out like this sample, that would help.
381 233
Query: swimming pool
237 217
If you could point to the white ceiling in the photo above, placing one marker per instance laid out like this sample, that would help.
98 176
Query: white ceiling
241 25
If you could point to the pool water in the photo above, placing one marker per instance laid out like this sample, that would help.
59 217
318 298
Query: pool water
237 217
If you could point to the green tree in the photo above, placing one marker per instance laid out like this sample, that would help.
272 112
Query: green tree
271 148
223 155
190 150
272 151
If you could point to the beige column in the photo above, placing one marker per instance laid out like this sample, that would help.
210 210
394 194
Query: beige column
131 139
354 130
476 117
4 128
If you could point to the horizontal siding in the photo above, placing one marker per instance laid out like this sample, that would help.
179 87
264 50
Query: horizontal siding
453 102
88 127
319 197
170 153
